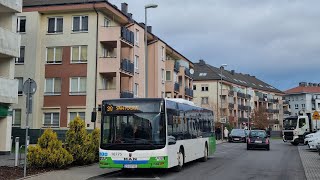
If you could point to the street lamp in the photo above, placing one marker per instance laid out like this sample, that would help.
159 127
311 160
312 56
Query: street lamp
221 67
146 45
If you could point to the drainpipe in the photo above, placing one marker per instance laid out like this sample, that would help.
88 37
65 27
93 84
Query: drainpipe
94 112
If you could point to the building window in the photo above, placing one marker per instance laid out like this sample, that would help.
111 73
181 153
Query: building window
296 106
21 24
78 85
20 85
136 89
55 25
162 54
106 22
73 115
16 117
79 54
136 63
168 95
20 60
162 75
194 87
51 119
303 105
54 55
204 88
168 75
52 86
137 37
80 24
204 100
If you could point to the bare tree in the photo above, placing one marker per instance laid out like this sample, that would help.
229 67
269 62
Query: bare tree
260 118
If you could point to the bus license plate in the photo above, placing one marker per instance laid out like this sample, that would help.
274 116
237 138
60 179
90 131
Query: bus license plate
130 166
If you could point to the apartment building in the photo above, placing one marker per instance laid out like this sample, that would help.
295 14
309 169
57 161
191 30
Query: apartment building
9 50
305 96
238 96
81 53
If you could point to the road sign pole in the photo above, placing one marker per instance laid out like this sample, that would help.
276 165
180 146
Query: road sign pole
27 127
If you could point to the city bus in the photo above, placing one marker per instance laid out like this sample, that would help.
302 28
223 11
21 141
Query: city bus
154 133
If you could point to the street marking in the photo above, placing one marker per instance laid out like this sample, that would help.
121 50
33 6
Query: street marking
141 178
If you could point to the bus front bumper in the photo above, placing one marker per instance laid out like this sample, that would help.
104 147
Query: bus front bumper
153 162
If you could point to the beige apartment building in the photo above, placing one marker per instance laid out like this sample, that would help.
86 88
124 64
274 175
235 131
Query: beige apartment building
9 50
81 53
238 97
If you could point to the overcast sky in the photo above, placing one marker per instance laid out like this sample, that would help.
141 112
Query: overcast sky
276 40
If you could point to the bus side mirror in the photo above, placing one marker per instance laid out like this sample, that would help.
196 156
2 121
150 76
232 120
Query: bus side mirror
93 116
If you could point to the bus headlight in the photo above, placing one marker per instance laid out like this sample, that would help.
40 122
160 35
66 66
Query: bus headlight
160 158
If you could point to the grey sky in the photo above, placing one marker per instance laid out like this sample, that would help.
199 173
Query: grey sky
276 40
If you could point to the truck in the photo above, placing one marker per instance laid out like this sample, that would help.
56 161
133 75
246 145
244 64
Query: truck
295 128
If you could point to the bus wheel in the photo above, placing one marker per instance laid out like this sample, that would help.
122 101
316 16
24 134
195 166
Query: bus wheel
205 154
180 161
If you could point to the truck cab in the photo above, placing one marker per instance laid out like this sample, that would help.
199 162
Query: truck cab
295 128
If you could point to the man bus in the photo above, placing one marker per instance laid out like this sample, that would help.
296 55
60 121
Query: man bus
154 133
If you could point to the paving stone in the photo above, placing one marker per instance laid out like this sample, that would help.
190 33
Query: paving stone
311 162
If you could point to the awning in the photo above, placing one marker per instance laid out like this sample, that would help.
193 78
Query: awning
4 110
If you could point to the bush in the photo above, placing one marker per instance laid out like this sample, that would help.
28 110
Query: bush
48 152
84 147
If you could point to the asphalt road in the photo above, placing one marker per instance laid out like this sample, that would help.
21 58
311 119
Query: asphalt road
231 161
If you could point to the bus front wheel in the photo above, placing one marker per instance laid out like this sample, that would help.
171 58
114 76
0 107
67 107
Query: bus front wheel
180 161
205 154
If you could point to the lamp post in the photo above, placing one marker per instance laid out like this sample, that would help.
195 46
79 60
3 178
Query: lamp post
146 45
221 67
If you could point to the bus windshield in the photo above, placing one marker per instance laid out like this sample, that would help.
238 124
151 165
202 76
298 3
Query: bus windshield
290 123
139 126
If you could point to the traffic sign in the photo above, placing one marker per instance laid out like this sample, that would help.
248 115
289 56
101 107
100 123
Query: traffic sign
223 120
29 86
316 115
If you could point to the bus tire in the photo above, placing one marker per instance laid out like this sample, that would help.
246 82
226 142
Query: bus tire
205 154
180 157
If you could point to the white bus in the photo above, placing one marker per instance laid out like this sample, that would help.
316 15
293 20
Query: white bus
154 133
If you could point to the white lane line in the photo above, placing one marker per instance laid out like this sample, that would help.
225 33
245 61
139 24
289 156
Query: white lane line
156 177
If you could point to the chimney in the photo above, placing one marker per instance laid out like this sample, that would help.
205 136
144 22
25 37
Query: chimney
149 29
310 84
302 84
319 85
124 8
315 84
232 72
222 67
202 62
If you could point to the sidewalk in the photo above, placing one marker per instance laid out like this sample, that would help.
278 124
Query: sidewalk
8 160
76 173
311 162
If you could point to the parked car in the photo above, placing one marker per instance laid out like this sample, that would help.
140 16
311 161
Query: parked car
258 139
313 142
309 136
237 135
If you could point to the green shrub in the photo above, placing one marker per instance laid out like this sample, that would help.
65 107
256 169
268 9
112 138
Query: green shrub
48 152
84 147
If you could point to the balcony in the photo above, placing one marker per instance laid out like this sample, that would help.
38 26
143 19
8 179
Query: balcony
287 112
12 6
272 111
248 96
8 91
187 72
231 93
188 92
176 87
127 66
240 94
9 43
176 67
231 106
242 119
114 33
126 94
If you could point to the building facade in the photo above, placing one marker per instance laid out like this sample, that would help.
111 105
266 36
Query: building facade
306 97
239 95
9 51
81 53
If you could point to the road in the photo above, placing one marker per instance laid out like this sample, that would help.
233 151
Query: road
232 161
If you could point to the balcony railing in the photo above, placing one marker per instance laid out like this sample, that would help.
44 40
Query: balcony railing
176 87
231 93
176 67
127 66
242 119
188 91
9 43
127 35
231 106
240 94
126 94
8 90
287 112
272 111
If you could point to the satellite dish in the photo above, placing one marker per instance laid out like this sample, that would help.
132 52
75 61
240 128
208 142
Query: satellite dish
191 71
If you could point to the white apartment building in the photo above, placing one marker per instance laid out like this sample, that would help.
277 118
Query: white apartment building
9 51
